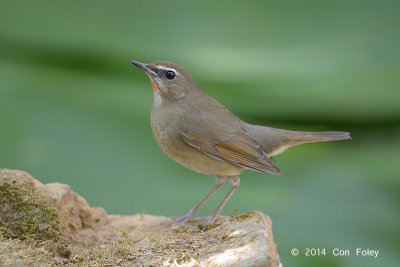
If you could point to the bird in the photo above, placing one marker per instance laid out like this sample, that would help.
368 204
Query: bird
201 134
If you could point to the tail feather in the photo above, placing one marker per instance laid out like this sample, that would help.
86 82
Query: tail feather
274 141
303 137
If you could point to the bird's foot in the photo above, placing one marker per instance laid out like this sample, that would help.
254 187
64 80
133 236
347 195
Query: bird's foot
211 223
183 220
188 220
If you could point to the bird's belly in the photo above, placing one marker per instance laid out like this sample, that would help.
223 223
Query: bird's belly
170 142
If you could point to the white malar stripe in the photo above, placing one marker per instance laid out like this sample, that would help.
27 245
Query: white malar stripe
157 98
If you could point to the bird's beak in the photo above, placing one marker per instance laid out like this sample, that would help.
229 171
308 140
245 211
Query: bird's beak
144 67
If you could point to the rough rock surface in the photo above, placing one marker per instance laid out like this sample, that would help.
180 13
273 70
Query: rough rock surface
114 240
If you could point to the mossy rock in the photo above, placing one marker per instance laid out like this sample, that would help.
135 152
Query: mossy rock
27 214
39 222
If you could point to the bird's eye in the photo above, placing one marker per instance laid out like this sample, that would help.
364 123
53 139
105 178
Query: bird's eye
170 74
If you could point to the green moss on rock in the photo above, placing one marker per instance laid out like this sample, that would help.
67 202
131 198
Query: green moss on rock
28 214
34 229
247 215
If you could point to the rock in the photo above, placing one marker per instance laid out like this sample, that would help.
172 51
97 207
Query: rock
82 225
29 214
114 240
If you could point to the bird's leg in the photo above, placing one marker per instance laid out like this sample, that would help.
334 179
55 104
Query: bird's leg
190 215
234 181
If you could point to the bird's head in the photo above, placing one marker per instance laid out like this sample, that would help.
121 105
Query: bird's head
170 81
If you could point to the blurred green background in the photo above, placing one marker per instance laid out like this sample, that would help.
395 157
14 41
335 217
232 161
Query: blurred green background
74 110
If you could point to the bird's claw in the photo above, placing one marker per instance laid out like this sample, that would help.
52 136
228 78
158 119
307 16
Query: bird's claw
183 220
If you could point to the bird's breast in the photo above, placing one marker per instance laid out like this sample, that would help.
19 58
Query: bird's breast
165 126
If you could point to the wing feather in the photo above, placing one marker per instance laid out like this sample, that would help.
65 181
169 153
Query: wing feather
225 140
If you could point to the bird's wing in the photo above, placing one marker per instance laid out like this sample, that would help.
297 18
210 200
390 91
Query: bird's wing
225 139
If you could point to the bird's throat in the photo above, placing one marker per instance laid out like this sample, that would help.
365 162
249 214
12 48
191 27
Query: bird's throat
155 88
157 98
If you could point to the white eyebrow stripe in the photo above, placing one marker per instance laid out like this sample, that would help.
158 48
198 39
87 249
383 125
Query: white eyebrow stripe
165 68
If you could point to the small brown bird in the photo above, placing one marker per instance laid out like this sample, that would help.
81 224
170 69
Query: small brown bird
198 132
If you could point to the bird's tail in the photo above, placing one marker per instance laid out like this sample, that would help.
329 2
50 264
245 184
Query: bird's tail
305 137
274 141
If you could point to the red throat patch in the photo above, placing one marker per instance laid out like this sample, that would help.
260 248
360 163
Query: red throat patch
155 89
